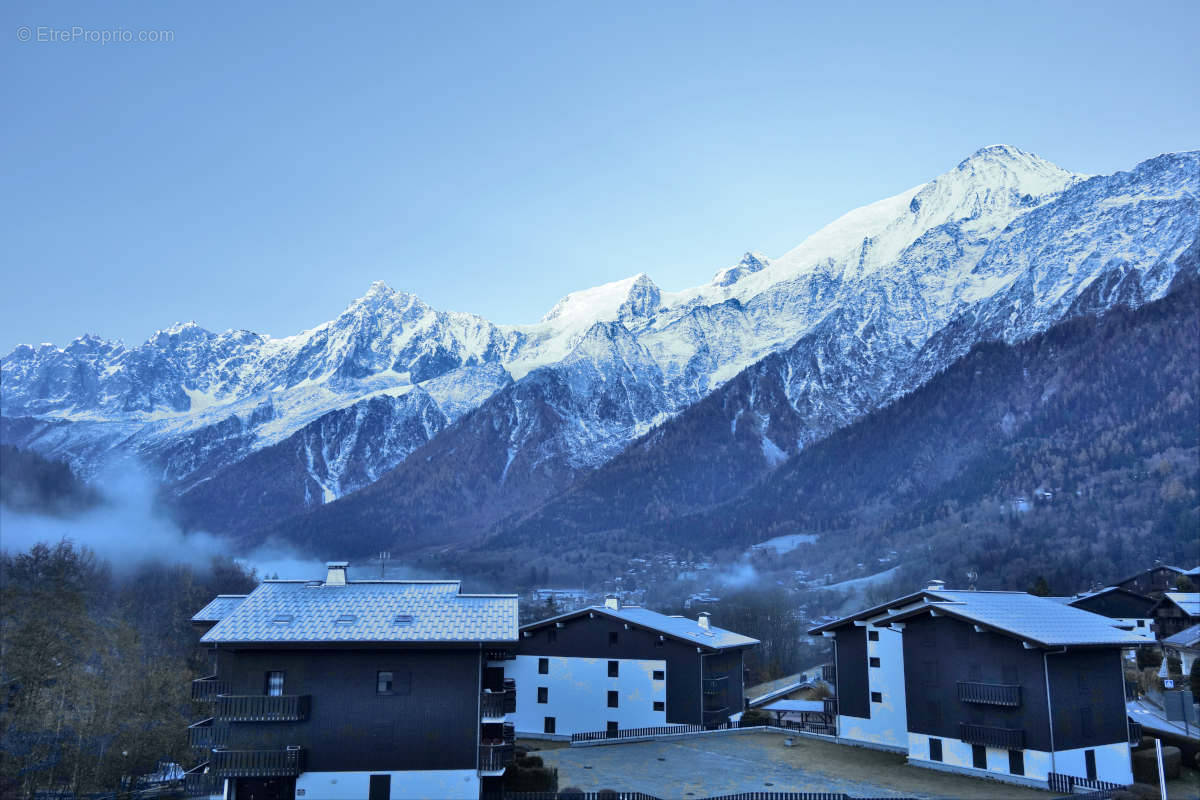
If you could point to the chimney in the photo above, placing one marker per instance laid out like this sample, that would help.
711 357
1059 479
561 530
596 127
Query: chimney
703 619
611 601
935 585
337 573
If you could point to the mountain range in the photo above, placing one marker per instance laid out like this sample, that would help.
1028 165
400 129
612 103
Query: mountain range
399 426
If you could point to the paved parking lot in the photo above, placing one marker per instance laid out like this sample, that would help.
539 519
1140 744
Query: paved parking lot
705 766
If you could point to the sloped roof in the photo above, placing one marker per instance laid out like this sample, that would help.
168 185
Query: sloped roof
1189 602
1188 637
367 611
681 628
1038 620
221 607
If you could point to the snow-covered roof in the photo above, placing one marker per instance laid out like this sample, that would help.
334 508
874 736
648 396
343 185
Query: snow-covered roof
1189 602
367 611
1038 620
221 607
784 706
681 628
1188 637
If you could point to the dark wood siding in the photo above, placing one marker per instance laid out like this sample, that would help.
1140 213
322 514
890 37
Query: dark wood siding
940 651
584 637
1087 692
853 689
728 663
1117 604
352 728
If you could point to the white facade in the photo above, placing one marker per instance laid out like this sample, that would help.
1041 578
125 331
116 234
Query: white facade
888 724
577 694
451 784
1112 761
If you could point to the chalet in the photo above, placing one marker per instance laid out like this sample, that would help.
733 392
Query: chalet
1127 609
614 667
372 689
1185 646
1175 612
1158 579
999 684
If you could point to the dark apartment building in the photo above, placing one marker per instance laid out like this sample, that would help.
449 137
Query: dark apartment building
614 667
1001 684
1158 579
1126 608
354 690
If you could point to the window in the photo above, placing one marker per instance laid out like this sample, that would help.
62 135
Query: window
543 694
613 668
929 673
402 620
978 756
548 725
383 683
933 710
876 697
1011 674
975 672
659 675
611 728
612 638
274 684
873 661
552 634
543 666
1089 763
612 699
1016 762
1141 623
659 705
935 749
873 636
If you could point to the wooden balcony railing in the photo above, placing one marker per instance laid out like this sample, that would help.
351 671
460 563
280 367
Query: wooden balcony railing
262 708
992 694
257 763
494 757
1003 738
494 705
715 684
207 689
199 782
828 673
205 735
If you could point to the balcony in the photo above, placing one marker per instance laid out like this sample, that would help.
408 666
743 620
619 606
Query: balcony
199 782
715 714
207 689
1135 733
829 673
494 757
257 763
262 708
715 684
494 705
205 735
992 694
1003 738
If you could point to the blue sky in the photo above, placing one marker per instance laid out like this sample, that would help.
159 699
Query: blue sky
264 167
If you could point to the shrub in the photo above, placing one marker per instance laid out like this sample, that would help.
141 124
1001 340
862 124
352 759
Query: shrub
757 716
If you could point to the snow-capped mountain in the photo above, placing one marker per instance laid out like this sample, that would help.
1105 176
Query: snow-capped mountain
869 307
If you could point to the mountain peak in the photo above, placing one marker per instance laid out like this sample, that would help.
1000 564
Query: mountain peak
636 296
753 261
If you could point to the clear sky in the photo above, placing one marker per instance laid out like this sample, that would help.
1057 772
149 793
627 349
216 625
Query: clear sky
268 163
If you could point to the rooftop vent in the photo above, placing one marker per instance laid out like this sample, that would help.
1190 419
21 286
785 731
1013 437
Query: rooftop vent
337 573
402 619
346 619
283 619
612 602
703 620
935 585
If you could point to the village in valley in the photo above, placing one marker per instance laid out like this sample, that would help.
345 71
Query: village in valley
359 687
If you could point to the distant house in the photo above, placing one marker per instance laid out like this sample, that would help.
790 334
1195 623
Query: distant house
560 595
614 667
1174 612
1127 609
1185 646
1000 684
1158 579
368 689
